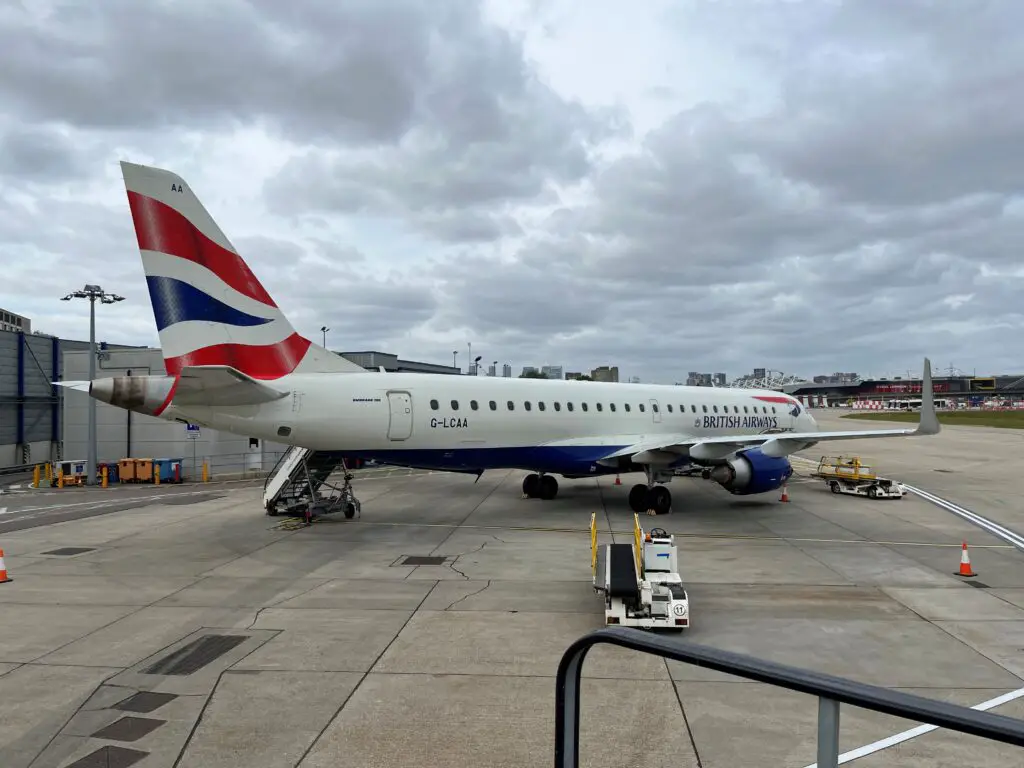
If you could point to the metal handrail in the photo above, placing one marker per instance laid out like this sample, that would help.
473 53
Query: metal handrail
830 690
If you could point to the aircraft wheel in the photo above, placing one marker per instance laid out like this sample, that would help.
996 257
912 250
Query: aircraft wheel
638 498
659 500
531 486
548 487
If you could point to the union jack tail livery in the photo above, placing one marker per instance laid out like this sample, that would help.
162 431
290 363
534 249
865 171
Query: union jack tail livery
210 309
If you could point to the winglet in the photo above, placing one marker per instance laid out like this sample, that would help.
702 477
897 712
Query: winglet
929 423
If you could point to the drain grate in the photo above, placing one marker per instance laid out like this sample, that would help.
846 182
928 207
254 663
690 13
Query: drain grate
109 757
195 655
144 701
66 551
423 560
128 729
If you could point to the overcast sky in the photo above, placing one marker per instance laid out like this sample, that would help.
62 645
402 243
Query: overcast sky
666 186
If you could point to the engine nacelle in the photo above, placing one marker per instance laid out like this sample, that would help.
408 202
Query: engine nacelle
751 472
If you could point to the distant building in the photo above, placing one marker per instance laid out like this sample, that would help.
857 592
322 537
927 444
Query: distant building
373 361
719 379
11 321
698 379
573 376
506 371
492 370
528 370
605 373
552 371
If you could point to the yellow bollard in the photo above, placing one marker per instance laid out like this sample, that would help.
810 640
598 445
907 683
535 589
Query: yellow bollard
156 474
35 476
206 473
60 477
103 473
49 473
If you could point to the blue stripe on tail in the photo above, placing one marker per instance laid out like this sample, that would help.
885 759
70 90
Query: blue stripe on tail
175 301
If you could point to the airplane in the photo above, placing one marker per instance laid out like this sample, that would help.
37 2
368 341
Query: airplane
235 363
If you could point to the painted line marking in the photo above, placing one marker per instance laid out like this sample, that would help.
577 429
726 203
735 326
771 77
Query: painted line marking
3 510
972 517
899 738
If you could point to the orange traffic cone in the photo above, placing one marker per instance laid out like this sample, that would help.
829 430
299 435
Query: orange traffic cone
617 481
4 578
785 493
965 563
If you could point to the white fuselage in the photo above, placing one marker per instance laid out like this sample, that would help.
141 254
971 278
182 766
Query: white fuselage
480 423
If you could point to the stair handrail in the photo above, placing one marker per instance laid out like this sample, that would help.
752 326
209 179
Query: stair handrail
273 471
830 690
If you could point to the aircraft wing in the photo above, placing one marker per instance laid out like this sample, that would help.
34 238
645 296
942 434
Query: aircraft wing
221 385
664 449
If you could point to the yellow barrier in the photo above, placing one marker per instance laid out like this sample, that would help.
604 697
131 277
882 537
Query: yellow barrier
60 477
156 474
35 476
103 474
206 472
593 542
49 473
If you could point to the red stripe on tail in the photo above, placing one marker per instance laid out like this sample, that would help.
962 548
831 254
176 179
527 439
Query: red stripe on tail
773 399
268 362
160 228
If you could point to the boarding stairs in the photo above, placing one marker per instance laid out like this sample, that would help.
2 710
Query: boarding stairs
296 485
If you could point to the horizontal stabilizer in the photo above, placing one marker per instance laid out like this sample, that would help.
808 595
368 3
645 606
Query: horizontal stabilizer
221 385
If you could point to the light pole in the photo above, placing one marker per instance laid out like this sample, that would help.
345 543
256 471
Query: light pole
455 357
92 292
324 329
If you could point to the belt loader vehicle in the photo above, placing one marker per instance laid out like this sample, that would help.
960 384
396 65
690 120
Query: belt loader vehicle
847 474
640 581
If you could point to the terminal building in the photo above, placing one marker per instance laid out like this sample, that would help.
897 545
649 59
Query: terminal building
42 423
898 392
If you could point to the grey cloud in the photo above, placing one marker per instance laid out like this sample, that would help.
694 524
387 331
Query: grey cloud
40 154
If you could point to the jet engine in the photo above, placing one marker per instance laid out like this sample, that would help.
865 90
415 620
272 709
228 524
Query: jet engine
750 471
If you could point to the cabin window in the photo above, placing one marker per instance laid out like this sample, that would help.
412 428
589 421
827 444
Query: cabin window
735 409
611 407
474 405
693 408
526 405
558 406
773 409
642 408
654 407
568 406
540 406
669 406
705 408
455 405
600 407
714 408
583 406
626 406
745 409
494 405
511 405
434 405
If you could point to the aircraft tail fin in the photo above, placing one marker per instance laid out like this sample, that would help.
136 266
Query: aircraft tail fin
210 309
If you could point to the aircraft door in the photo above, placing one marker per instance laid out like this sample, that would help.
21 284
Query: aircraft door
655 411
400 424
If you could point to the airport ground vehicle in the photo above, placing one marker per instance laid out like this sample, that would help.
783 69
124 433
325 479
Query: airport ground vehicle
849 475
640 581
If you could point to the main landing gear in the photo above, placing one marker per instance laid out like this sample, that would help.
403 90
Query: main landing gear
650 498
540 486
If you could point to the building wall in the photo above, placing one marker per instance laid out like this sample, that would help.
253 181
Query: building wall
121 434
29 406
11 321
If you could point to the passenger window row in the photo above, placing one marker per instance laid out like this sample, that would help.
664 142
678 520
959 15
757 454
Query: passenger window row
541 406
